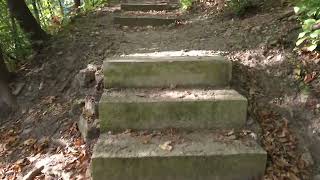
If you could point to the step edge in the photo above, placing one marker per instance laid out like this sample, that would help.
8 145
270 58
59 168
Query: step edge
146 17
109 98
242 149
169 59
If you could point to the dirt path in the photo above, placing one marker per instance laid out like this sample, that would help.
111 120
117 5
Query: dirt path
44 133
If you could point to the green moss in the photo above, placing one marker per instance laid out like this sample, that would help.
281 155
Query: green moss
166 74
183 114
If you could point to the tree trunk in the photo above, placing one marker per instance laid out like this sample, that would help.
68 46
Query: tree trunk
4 73
21 12
7 101
77 4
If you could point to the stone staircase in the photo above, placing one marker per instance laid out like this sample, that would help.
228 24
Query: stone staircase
171 118
147 13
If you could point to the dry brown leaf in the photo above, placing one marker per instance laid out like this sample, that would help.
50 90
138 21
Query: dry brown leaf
292 176
29 142
166 146
310 77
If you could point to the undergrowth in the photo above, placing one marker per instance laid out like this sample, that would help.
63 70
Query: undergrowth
308 12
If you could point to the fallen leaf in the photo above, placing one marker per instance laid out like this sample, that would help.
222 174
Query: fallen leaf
29 142
230 133
166 146
310 77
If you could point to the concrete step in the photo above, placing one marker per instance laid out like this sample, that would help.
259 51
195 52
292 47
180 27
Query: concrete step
179 108
214 71
144 20
182 156
148 7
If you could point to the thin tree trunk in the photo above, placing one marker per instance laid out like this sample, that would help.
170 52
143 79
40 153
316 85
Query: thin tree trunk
21 12
61 8
7 100
77 5
14 34
4 73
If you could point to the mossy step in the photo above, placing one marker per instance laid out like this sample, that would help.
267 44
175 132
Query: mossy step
124 20
214 71
147 7
182 156
180 108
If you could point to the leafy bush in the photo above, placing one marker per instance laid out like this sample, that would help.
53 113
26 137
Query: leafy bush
51 15
308 12
239 7
13 41
186 4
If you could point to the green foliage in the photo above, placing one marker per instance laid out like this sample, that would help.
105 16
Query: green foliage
51 15
239 7
186 4
91 4
12 40
309 16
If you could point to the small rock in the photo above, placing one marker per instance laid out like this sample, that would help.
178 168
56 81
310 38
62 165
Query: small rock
250 122
125 27
85 77
254 136
303 97
274 42
256 28
89 130
100 52
41 86
89 106
18 88
291 18
76 107
99 79
307 157
92 67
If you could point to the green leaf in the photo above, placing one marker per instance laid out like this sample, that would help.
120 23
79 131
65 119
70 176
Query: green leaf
301 35
312 12
312 47
296 9
315 34
300 41
307 24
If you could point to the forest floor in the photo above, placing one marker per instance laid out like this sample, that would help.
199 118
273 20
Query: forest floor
282 87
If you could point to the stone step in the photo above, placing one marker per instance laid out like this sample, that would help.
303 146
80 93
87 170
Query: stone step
214 71
182 156
179 108
145 20
147 7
